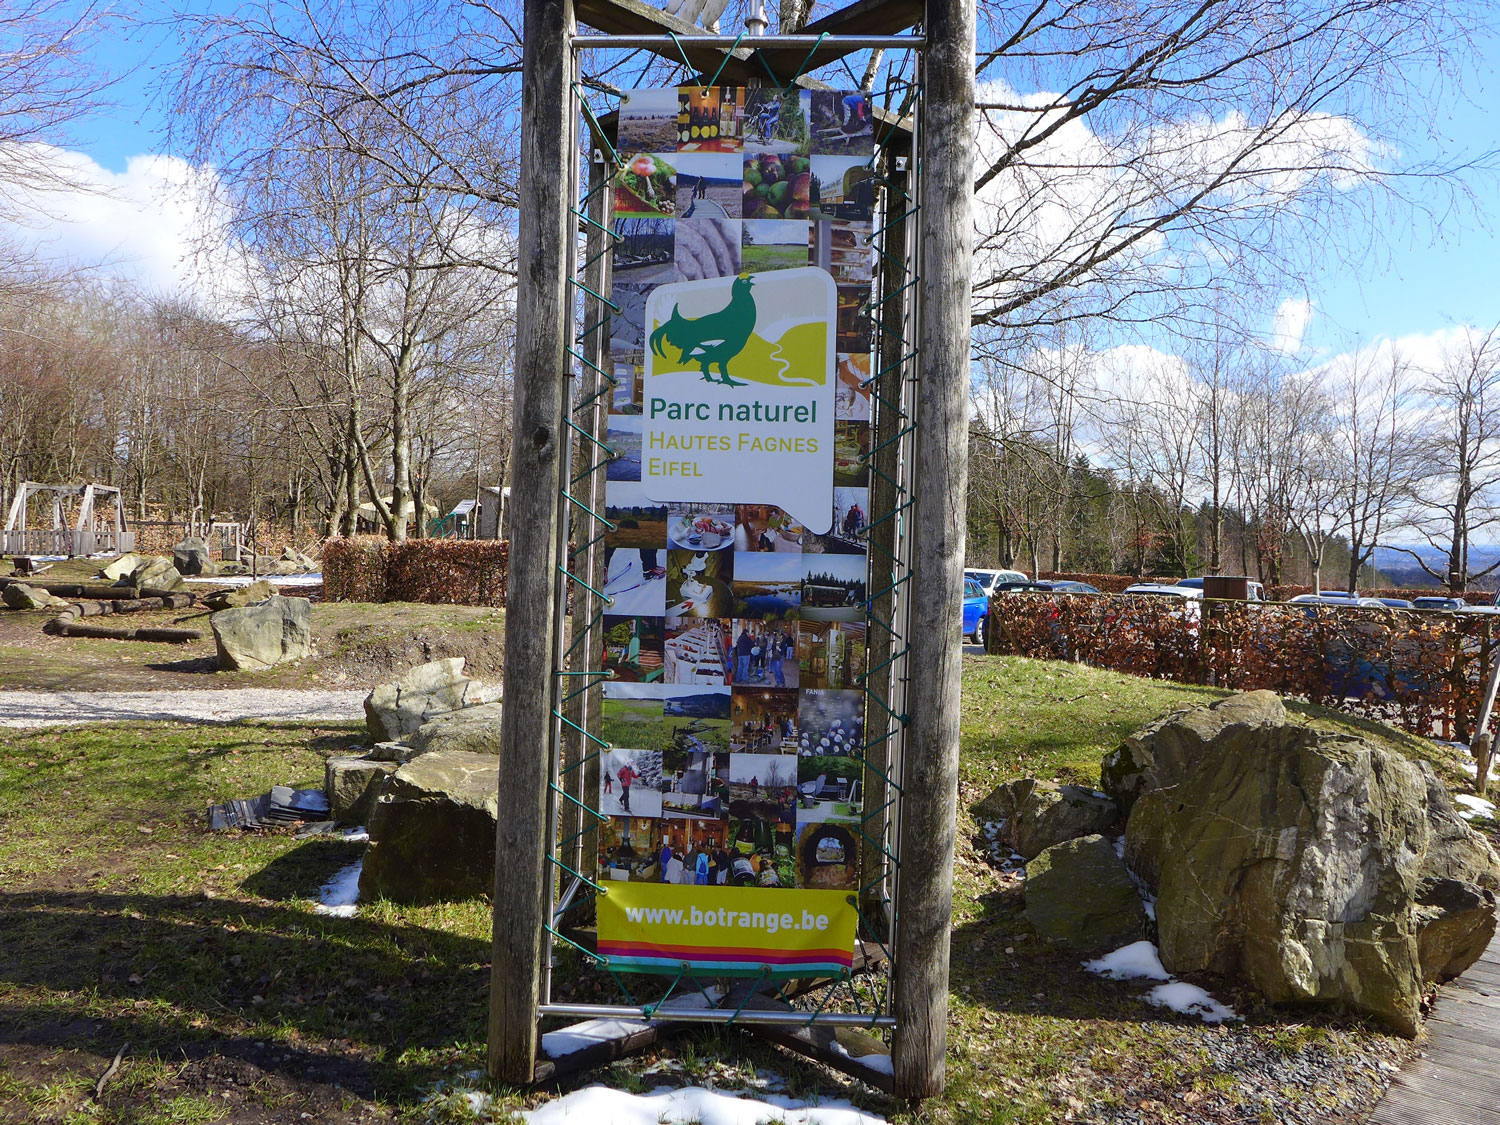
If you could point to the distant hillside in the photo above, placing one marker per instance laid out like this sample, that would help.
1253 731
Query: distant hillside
1404 570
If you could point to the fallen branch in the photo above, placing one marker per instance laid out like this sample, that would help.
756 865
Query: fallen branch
109 1073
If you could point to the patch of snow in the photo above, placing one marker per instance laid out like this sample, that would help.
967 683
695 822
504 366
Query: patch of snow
1190 1000
691 1105
311 579
576 1037
1474 806
1136 961
356 835
339 895
878 1061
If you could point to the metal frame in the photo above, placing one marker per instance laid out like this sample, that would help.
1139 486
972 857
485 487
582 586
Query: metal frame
574 693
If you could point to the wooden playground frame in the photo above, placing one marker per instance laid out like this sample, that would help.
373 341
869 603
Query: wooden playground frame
87 536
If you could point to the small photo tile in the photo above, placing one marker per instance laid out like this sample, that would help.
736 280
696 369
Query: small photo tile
776 187
696 717
630 783
764 654
633 647
773 244
646 186
765 527
827 857
851 395
708 248
833 588
648 121
851 451
700 527
763 721
767 585
697 652
842 123
629 848
699 850
830 723
775 121
831 654
846 535
699 583
622 433
844 187
644 255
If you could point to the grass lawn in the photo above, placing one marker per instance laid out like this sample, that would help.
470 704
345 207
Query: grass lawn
123 921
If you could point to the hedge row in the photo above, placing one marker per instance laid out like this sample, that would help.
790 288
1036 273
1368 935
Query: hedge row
1416 670
437 571
1116 583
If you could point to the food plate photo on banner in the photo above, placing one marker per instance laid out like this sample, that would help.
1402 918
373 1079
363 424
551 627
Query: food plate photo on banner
731 794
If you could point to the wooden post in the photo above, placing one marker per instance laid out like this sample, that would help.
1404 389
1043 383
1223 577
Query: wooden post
924 905
542 324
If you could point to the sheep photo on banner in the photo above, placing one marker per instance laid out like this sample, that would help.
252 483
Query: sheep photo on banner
738 497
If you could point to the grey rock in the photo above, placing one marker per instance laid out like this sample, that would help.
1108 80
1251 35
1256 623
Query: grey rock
1079 894
1157 755
352 785
121 567
18 595
397 752
192 557
155 573
238 596
1038 814
1319 867
256 637
432 832
473 729
394 712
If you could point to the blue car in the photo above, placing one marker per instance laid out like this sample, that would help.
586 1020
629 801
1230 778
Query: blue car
976 606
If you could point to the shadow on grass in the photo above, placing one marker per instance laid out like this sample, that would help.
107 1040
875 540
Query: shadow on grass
196 665
170 973
311 864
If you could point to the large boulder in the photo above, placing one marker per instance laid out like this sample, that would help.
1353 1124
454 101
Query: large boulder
1038 814
192 557
18 595
473 729
1317 866
122 567
432 832
238 596
256 637
352 785
1079 894
1158 754
299 562
394 712
154 573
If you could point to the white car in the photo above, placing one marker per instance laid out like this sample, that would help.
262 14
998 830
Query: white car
1158 590
1344 600
988 579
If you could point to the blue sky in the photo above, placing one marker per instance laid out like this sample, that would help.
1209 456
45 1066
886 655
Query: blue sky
1419 278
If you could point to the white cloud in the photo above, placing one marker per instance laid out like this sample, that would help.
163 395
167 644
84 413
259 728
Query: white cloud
1290 325
157 224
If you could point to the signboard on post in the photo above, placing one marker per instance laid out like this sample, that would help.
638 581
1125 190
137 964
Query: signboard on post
737 502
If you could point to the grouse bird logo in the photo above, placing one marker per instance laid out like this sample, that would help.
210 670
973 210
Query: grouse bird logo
715 338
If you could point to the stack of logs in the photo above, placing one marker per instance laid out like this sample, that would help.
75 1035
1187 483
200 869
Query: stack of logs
100 599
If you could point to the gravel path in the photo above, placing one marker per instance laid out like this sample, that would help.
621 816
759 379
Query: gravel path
225 705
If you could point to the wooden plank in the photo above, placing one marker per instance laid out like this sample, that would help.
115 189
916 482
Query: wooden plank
546 247
928 813
1449 1104
845 1049
863 17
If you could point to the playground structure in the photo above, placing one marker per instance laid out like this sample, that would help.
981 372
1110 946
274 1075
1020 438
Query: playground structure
96 528
915 530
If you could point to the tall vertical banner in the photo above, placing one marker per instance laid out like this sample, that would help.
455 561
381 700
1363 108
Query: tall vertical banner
738 497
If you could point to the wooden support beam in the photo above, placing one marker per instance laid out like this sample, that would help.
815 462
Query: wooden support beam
548 167
924 906
863 17
635 17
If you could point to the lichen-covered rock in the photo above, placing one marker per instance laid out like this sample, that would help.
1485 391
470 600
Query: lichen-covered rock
474 729
238 596
1079 894
352 784
1038 814
1318 867
155 573
18 595
394 712
432 832
1156 756
256 637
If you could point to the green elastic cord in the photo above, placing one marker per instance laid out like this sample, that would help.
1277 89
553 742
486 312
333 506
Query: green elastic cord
652 1008
714 81
556 714
808 58
589 953
750 993
588 112
607 599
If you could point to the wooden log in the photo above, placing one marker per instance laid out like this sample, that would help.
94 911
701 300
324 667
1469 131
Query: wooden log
101 590
128 633
546 244
95 609
168 634
929 807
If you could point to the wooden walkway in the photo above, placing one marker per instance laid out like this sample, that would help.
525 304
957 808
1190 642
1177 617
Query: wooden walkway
1455 1080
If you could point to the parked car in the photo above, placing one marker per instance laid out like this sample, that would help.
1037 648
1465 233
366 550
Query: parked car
1394 603
1068 586
1434 602
1336 598
987 579
976 606
1023 586
1156 589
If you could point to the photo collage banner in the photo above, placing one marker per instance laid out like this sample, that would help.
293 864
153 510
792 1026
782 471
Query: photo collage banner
738 492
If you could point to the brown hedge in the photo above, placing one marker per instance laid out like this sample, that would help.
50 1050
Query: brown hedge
437 571
1116 583
1415 669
